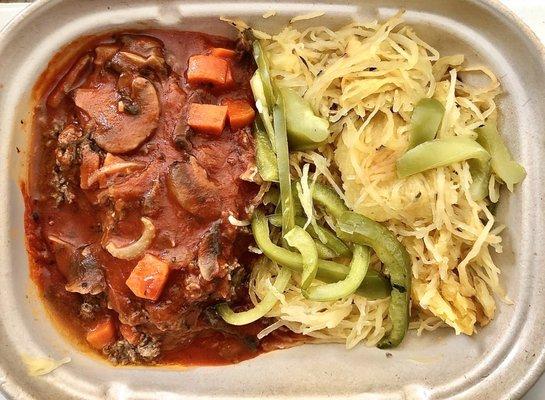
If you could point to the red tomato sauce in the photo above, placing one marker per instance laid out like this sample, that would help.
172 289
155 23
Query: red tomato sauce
122 99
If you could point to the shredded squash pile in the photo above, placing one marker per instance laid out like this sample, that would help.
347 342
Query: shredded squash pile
366 79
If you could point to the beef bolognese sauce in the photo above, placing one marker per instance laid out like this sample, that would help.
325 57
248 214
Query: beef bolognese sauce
142 156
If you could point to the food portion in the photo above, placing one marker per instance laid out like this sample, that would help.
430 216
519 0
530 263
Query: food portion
412 150
142 155
197 200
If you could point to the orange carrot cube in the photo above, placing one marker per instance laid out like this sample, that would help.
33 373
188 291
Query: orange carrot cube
102 334
148 278
207 69
130 334
240 113
223 53
207 118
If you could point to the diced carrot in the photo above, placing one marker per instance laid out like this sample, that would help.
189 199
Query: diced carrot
229 80
102 334
240 113
223 53
207 69
90 162
130 334
207 118
148 278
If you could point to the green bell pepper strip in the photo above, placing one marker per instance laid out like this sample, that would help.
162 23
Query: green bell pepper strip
425 121
364 231
265 156
329 199
324 252
338 290
374 286
503 165
480 172
439 153
261 104
303 242
272 197
306 131
283 163
259 310
263 69
297 208
336 245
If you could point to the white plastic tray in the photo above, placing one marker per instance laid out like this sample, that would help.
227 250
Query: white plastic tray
500 362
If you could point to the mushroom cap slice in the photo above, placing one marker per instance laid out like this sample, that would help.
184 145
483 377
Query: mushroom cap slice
208 251
194 191
127 62
86 274
117 132
142 45
71 80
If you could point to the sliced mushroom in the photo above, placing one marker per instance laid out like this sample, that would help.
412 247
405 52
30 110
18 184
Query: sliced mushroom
142 45
124 62
139 53
194 191
104 53
70 81
118 132
182 135
86 275
150 202
156 63
208 252
124 83
127 62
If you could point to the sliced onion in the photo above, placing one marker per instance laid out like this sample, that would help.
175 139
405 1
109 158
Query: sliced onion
260 309
265 331
263 189
255 250
251 175
137 248
57 240
237 222
113 169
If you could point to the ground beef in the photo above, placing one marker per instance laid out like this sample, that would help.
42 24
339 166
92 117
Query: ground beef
122 352
61 188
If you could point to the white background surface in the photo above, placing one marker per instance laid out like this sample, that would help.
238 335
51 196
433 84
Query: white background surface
531 11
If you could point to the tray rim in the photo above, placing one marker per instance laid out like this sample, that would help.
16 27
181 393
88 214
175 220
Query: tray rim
495 6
